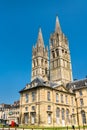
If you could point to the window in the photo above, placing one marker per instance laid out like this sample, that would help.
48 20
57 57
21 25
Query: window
48 96
45 70
80 93
57 96
62 51
33 107
58 112
49 118
67 114
26 118
83 117
72 111
37 62
66 98
57 115
26 97
33 118
42 62
61 98
57 52
26 108
33 96
49 108
63 114
53 54
81 102
72 100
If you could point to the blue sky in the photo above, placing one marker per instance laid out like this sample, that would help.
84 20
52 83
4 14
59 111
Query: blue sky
19 24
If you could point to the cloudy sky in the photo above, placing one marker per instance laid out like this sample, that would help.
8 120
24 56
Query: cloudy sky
19 24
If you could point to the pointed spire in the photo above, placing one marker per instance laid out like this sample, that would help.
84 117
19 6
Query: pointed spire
57 26
40 41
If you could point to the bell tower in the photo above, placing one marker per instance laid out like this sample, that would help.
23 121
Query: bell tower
60 62
40 59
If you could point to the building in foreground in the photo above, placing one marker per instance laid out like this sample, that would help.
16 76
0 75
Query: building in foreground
52 98
9 112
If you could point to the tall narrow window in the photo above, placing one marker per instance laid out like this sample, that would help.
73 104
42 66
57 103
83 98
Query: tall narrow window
48 96
33 96
57 97
67 114
80 93
26 97
63 114
53 54
26 108
57 52
83 117
72 100
26 118
66 98
45 70
58 112
33 117
57 115
42 62
49 118
81 102
61 98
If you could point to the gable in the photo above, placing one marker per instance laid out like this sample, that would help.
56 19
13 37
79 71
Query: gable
61 88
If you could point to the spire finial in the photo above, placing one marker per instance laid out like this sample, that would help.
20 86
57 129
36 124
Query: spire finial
40 41
57 26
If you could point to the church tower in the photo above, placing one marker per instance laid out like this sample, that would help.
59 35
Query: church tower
60 62
40 59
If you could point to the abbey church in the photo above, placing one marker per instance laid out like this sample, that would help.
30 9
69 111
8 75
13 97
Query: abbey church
52 98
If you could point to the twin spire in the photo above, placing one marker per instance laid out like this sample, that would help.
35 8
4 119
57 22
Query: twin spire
57 26
40 41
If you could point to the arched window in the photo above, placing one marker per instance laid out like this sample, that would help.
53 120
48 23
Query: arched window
42 62
57 112
67 114
57 52
63 114
83 117
53 54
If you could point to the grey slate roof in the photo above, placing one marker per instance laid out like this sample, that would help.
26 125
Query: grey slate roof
77 84
39 82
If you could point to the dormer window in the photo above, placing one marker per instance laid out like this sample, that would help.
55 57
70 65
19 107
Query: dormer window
85 83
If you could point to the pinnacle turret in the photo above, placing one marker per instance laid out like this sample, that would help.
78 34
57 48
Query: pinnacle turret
57 26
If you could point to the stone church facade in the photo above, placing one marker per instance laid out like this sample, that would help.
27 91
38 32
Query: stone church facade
52 98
